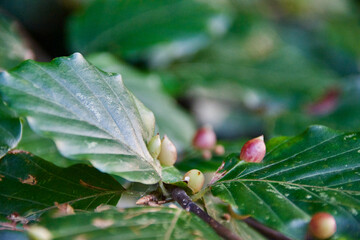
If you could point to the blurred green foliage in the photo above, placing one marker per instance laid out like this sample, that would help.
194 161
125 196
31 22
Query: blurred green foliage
245 67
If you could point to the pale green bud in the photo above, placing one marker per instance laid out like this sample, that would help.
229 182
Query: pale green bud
154 146
168 153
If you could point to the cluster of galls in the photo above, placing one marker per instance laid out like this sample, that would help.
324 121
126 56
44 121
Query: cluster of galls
165 151
205 141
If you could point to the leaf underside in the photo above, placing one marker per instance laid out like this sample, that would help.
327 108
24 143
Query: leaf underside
30 186
316 171
89 114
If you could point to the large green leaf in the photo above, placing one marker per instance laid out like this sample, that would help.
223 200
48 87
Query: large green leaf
170 118
158 30
12 47
10 129
89 114
131 223
30 186
315 171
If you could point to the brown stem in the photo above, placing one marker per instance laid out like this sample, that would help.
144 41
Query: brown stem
265 231
185 202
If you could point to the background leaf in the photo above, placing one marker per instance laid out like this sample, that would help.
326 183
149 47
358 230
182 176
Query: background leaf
131 223
280 74
10 129
153 30
88 113
312 172
12 47
30 186
341 116
170 118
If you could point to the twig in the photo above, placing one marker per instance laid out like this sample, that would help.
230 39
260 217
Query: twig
185 202
266 231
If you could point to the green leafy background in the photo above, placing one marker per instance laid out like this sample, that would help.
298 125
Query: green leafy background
245 67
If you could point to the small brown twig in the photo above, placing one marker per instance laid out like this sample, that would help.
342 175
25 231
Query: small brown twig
180 196
264 230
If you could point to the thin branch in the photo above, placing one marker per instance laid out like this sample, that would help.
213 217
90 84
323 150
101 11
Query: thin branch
265 231
185 202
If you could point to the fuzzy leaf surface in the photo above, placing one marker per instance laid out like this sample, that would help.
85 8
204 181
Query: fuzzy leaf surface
89 114
316 171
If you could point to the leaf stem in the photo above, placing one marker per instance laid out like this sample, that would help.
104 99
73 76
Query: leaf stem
180 196
163 189
200 194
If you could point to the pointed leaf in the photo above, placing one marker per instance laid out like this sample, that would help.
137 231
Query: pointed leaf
88 113
31 186
315 171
